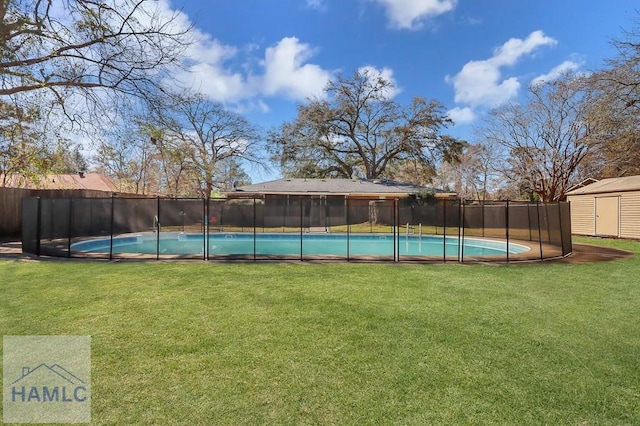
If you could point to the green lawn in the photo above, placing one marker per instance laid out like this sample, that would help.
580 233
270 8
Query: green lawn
244 343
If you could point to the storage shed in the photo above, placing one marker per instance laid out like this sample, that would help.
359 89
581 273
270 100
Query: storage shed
609 207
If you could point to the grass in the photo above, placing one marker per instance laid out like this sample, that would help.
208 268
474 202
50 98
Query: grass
198 343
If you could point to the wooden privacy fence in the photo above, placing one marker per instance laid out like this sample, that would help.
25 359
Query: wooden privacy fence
11 205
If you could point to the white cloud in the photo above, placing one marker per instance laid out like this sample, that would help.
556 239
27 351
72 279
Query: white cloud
463 115
557 72
206 49
480 83
212 69
204 70
317 5
286 72
515 48
214 81
410 14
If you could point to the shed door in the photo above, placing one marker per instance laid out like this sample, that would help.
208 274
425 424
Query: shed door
608 216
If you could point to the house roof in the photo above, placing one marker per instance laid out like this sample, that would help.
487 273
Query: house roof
89 181
334 187
622 184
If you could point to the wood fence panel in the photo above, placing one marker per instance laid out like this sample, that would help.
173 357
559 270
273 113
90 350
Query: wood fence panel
11 205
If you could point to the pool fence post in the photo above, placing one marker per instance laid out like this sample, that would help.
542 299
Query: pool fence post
221 217
205 237
301 225
560 230
444 227
539 230
52 222
158 228
396 213
462 212
546 214
406 238
482 213
111 225
506 228
286 209
529 219
460 225
208 227
254 228
395 230
327 214
38 225
346 207
69 227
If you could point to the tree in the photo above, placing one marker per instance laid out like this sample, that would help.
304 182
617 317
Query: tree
23 154
546 139
360 131
82 47
65 62
230 174
473 176
616 109
68 158
410 171
624 70
617 116
127 154
206 134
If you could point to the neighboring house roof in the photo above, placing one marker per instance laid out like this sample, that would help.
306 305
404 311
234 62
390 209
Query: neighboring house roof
89 181
351 187
622 184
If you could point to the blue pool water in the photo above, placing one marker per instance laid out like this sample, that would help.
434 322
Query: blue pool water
230 244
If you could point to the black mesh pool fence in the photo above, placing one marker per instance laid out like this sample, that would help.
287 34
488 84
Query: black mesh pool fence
296 228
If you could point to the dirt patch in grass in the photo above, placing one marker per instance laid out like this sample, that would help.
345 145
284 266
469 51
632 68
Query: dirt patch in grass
587 253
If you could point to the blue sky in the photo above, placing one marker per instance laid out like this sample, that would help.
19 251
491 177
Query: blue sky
264 57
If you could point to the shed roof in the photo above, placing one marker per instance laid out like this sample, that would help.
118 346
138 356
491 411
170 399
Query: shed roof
621 184
334 187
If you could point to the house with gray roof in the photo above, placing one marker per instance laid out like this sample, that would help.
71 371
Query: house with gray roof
324 202
352 188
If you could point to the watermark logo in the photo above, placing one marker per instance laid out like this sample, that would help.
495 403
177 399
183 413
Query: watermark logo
47 379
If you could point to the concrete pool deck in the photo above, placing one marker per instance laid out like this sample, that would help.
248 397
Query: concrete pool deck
582 253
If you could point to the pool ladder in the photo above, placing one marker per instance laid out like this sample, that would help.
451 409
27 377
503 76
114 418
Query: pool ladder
156 224
413 231
409 227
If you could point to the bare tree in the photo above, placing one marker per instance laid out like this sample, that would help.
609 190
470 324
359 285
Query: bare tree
616 109
206 134
615 112
87 47
547 138
130 158
473 176
360 131
623 73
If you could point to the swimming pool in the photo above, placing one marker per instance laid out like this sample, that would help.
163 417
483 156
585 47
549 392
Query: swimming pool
295 245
